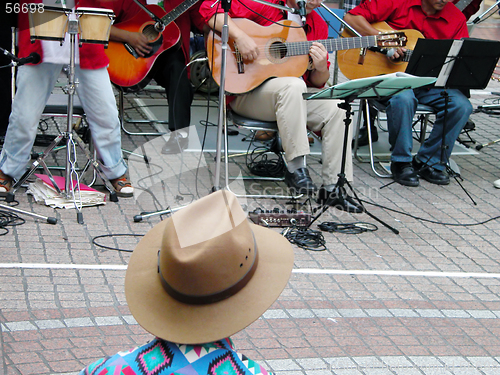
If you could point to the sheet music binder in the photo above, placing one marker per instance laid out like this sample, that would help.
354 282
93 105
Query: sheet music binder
377 87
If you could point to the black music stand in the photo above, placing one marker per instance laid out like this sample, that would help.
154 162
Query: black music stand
467 63
378 87
462 64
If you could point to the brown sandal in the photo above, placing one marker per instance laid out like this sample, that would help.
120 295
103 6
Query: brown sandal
123 187
5 183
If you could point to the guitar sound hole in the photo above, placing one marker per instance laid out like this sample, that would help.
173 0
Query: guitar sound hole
155 39
278 50
150 32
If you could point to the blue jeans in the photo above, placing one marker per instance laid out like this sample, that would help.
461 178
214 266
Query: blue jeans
34 86
400 112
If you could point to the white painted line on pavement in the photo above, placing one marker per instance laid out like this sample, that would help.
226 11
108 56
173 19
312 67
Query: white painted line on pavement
398 273
297 270
64 266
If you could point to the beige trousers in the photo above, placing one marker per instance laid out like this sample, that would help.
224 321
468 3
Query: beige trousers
280 99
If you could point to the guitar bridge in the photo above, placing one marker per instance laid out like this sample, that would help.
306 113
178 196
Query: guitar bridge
239 60
131 50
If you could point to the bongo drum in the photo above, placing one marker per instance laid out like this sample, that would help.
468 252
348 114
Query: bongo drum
51 24
94 25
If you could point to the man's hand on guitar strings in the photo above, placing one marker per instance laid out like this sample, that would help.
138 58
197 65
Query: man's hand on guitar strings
140 43
395 54
247 47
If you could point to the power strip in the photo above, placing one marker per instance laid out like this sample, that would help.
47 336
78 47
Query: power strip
277 218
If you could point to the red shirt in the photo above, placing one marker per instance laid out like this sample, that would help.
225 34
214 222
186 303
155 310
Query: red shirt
316 28
92 56
241 9
449 23
126 9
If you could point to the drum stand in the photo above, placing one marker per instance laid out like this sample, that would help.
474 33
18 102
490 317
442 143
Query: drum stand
69 188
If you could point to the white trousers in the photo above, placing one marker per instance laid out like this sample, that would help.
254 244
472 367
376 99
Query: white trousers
281 100
34 86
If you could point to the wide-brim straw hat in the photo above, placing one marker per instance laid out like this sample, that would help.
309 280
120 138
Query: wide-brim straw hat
206 272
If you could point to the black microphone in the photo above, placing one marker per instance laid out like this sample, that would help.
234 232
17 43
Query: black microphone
33 58
8 54
388 52
302 10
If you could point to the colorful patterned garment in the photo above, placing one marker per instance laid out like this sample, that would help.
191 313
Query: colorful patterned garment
160 357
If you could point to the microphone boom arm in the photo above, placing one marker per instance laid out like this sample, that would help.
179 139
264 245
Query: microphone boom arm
151 14
282 7
349 27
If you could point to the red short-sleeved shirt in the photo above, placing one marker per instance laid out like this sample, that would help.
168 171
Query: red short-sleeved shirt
127 9
316 28
92 56
244 9
449 23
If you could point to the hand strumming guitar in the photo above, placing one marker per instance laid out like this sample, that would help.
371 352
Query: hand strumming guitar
136 39
246 46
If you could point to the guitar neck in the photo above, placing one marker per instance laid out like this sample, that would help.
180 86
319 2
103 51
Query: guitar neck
177 11
302 48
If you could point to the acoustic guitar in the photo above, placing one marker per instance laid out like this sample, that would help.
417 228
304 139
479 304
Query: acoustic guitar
375 61
129 70
283 52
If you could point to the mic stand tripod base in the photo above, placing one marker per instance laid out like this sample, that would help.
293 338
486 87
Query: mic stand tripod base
49 220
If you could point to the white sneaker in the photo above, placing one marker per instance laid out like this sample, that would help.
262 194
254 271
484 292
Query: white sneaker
496 184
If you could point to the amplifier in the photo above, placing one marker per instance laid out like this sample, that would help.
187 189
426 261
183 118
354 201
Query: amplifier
277 218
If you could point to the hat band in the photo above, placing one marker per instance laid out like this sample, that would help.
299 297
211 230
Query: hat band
210 298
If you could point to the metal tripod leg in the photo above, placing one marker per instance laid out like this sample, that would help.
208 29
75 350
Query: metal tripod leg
95 164
342 180
49 220
40 161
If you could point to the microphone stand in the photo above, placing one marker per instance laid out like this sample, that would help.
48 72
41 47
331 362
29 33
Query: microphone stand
341 20
480 17
278 6
222 118
69 187
222 123
160 25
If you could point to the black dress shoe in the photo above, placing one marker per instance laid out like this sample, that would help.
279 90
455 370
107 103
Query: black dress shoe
175 144
363 136
404 174
300 182
339 200
430 174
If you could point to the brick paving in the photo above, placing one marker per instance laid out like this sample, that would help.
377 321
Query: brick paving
426 301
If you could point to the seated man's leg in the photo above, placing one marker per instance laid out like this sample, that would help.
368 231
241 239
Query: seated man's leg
326 116
98 101
400 111
172 75
34 84
179 90
280 99
458 112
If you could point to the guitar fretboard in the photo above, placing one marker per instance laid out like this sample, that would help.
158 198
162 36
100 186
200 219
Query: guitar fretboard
338 44
177 11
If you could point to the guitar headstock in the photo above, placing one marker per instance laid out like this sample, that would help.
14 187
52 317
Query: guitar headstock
392 39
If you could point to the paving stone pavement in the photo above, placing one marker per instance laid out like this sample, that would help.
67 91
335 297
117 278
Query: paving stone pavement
424 301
